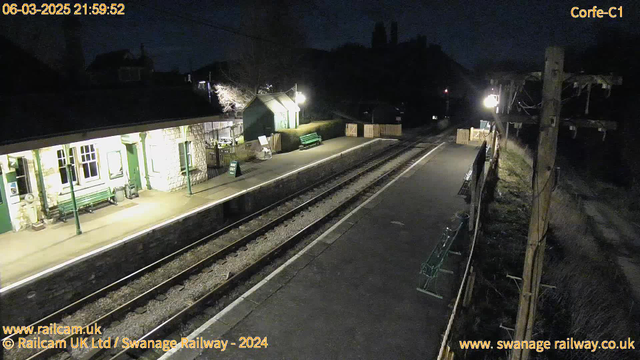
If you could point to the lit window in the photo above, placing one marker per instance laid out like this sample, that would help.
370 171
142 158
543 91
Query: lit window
22 176
114 161
89 161
181 150
62 166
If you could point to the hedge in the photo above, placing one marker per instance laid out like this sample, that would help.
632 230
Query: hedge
328 129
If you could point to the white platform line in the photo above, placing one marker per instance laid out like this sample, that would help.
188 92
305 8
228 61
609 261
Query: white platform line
174 219
229 307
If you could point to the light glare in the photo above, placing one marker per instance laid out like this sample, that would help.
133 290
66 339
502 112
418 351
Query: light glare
491 101
300 98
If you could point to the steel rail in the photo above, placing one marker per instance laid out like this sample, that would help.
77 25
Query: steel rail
253 268
59 314
181 276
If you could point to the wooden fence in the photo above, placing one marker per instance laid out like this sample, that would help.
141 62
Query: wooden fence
371 130
390 129
462 136
351 130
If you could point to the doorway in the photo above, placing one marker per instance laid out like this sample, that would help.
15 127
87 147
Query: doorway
134 167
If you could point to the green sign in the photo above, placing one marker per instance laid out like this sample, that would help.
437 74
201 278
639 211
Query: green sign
234 169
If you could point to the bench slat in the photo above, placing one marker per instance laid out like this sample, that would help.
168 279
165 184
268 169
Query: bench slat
86 200
310 139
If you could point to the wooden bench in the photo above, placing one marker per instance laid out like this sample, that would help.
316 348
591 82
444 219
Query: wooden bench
86 201
310 140
430 269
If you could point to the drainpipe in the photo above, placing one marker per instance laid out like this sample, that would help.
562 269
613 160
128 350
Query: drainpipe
43 190
186 163
143 138
73 194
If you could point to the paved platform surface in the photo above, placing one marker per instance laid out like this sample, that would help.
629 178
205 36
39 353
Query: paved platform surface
26 253
352 293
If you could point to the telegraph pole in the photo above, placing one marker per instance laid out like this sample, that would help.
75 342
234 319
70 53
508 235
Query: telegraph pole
542 185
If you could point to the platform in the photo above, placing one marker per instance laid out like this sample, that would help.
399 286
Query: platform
351 294
27 253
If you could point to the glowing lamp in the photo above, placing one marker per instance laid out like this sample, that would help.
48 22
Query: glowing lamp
300 98
491 101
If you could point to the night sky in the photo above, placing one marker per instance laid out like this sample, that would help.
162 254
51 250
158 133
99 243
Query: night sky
469 31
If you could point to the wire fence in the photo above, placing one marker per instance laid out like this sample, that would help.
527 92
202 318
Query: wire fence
484 166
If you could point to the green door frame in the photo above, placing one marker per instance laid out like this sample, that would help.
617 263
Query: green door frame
5 216
133 165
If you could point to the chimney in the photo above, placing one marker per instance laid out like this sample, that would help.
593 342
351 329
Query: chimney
147 64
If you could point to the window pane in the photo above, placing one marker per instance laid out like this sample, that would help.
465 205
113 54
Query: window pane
181 152
63 176
22 186
85 170
93 168
21 166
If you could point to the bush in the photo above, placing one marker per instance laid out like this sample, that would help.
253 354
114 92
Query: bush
328 129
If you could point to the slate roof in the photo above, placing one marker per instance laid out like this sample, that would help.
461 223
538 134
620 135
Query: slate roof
36 116
276 102
115 60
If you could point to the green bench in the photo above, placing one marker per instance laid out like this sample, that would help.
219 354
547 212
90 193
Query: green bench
430 269
310 140
86 201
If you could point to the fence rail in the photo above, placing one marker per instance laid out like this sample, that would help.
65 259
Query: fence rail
478 180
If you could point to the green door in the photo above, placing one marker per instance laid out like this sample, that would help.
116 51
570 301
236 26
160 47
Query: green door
5 219
134 168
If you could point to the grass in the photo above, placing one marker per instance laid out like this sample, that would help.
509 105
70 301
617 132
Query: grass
499 251
592 299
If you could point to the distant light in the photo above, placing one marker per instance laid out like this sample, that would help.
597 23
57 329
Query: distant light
446 91
491 101
300 98
200 82
434 117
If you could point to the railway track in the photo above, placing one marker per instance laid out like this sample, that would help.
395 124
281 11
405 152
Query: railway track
225 265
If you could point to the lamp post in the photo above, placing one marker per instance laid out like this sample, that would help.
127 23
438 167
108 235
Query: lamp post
73 194
184 129
299 99
446 112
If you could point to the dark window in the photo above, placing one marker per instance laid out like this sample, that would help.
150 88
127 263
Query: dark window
62 166
22 177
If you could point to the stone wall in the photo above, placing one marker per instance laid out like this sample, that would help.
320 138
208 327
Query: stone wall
164 154
44 295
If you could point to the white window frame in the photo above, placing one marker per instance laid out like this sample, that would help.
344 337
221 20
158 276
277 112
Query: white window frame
89 155
22 162
115 175
74 172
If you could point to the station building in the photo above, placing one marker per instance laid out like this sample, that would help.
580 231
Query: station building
113 138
